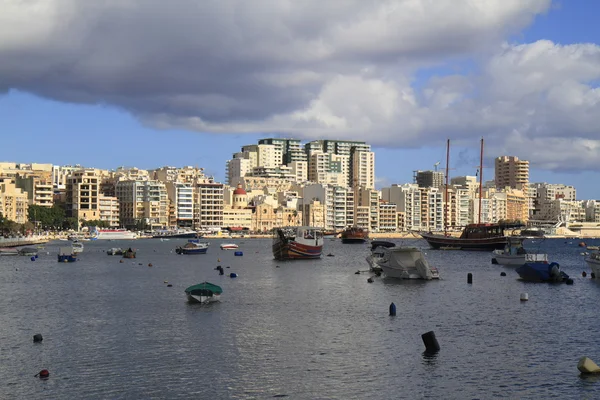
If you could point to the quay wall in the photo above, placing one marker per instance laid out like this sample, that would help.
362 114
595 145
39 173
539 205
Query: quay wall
22 241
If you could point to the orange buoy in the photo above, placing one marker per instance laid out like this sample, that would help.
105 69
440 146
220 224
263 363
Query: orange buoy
150 264
43 374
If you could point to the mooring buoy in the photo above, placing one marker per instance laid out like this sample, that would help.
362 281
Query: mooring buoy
370 280
37 337
430 342
524 297
392 310
584 274
233 275
43 374
469 278
569 281
587 366
502 273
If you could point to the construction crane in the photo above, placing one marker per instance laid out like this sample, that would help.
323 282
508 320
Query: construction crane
436 165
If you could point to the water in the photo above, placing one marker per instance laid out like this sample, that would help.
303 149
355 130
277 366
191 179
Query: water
300 330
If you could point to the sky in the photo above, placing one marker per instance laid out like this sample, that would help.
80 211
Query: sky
148 83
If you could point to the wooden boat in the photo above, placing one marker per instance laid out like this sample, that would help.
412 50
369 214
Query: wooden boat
204 292
297 243
129 253
66 254
355 234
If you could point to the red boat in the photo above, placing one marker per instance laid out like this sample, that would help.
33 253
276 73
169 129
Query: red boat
297 242
355 234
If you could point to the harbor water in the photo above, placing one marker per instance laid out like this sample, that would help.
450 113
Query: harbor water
113 329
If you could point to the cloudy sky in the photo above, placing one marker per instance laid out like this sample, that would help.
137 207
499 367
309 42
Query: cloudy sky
187 82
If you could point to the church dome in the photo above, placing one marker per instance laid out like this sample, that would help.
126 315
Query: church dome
239 190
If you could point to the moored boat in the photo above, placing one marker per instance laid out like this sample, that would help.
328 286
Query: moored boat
9 251
514 253
355 234
486 237
77 247
112 234
593 261
175 234
541 272
28 251
192 247
129 253
204 292
229 246
66 254
115 251
297 243
401 262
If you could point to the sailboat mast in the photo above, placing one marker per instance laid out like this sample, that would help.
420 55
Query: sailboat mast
480 179
446 194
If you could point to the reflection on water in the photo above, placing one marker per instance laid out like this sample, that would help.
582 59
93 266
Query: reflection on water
303 330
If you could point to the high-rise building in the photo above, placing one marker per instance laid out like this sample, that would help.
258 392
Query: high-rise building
13 201
290 149
82 194
362 171
143 203
511 172
427 179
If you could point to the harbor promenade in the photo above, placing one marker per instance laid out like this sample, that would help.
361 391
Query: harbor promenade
22 241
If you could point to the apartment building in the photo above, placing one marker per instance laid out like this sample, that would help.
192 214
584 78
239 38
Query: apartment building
108 208
208 204
388 218
181 197
511 172
143 203
82 192
427 179
13 201
362 172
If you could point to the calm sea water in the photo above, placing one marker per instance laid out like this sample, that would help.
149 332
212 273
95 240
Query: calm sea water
301 330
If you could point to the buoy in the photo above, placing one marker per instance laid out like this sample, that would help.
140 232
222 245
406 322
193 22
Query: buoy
370 280
469 278
218 260
228 266
139 263
43 374
494 261
392 310
587 366
569 281
36 256
166 281
524 297
169 285
593 275
37 337
430 342
150 264
357 273
584 274
121 261
32 258
502 273
277 266
233 275
330 255
238 253
581 244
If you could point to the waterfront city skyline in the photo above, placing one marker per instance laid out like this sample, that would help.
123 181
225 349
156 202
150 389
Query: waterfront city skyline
526 80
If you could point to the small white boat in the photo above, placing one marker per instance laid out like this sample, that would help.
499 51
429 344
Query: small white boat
77 247
593 261
515 254
229 246
115 251
28 251
402 262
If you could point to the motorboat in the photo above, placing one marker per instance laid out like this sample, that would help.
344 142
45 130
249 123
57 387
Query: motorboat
403 263
229 246
77 247
115 251
66 254
204 292
297 243
9 251
112 234
514 254
28 251
193 246
541 272
593 261
377 253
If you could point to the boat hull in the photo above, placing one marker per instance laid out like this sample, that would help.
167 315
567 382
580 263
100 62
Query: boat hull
350 240
594 266
484 244
295 251
67 258
192 251
405 263
192 298
541 272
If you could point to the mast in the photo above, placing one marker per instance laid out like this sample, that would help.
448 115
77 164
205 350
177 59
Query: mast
446 194
480 180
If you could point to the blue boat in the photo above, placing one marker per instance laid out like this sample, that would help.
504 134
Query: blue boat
193 246
66 254
541 272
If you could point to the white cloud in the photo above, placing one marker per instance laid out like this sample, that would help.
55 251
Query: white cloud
338 69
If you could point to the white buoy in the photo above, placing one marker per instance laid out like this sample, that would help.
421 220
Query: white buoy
524 297
587 366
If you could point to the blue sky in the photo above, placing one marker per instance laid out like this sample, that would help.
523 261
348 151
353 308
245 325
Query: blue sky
43 124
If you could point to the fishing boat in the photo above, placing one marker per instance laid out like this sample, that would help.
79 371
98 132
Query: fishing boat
401 262
204 292
77 247
515 254
229 246
479 236
193 246
129 253
115 251
297 243
593 261
66 254
541 272
355 234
